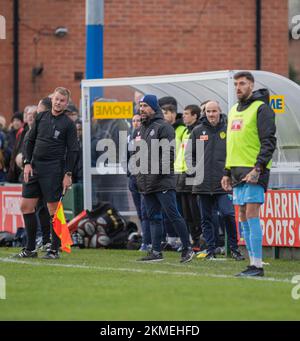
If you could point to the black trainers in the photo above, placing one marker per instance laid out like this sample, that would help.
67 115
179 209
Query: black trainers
152 256
248 267
251 271
210 256
236 254
26 254
51 254
220 250
45 247
187 255
167 247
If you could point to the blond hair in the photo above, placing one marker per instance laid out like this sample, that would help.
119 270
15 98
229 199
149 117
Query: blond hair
63 91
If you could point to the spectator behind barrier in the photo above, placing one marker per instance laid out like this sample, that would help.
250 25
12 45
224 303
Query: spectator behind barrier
15 171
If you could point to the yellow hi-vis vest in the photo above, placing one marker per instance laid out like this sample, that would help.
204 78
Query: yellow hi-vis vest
180 164
243 144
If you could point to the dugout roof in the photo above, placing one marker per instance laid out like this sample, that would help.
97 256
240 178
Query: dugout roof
217 85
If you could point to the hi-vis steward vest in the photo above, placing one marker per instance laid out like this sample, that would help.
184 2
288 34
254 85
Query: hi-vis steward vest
179 132
180 164
243 145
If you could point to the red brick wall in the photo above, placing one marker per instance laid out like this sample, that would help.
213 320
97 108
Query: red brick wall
61 57
6 60
275 35
294 56
142 38
146 37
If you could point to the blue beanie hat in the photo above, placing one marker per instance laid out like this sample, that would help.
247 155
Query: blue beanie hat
151 100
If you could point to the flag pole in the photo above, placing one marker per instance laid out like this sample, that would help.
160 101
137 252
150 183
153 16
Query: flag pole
60 225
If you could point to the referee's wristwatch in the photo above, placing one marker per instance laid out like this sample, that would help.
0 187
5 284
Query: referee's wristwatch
69 174
26 162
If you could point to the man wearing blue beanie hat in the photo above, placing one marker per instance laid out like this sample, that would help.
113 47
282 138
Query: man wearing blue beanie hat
151 100
157 183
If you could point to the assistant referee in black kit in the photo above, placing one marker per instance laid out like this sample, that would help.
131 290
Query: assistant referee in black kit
50 153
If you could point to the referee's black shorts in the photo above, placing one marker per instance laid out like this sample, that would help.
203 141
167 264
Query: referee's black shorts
46 181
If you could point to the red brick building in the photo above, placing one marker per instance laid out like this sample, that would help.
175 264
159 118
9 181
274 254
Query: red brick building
294 43
141 37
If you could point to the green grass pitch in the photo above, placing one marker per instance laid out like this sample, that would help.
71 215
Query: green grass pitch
110 285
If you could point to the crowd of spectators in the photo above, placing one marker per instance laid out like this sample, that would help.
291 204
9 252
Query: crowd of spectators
13 134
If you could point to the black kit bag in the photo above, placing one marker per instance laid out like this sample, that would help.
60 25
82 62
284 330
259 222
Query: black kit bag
104 226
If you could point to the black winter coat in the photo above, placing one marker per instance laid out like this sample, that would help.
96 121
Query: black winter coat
156 128
214 139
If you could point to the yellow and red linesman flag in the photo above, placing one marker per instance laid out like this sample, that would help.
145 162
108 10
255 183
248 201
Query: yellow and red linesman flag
61 229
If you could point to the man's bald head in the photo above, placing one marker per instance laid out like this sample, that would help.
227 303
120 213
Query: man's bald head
213 112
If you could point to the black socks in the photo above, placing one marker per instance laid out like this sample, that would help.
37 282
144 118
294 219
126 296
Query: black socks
45 224
31 227
55 241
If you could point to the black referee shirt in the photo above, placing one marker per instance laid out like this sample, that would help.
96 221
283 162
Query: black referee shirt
52 138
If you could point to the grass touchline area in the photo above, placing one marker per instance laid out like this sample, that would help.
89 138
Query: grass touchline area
162 272
111 285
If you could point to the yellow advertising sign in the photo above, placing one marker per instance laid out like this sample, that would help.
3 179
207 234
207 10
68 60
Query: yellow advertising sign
277 104
113 110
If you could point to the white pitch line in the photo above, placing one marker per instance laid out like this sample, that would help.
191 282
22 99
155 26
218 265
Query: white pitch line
148 271
191 265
